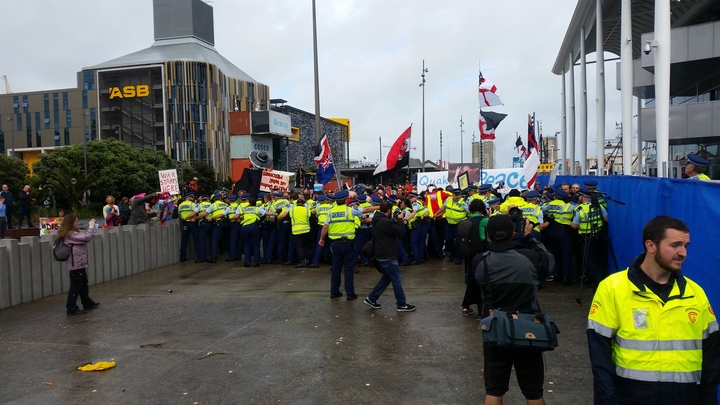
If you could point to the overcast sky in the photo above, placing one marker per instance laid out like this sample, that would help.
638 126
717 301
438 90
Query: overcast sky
370 60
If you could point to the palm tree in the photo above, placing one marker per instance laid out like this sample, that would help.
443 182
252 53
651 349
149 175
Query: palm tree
69 184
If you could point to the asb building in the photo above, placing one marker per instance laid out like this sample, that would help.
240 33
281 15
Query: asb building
174 96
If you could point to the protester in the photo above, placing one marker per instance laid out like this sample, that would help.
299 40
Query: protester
139 214
26 201
77 263
386 232
512 283
5 192
109 205
112 218
125 210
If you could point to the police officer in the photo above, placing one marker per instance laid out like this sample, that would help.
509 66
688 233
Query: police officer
559 213
217 214
589 220
533 212
322 209
235 226
695 167
299 215
206 228
280 203
419 226
652 334
187 213
268 230
340 227
250 231
455 210
364 232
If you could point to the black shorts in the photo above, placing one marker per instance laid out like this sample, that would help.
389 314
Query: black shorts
529 368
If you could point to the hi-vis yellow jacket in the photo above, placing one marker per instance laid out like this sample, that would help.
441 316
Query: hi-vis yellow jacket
634 335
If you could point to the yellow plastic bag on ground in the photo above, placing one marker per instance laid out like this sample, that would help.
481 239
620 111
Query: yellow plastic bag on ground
101 365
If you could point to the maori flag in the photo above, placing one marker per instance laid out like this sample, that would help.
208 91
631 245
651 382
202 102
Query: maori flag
399 154
488 122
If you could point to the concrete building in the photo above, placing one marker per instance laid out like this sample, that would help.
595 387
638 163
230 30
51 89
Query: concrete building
670 59
488 154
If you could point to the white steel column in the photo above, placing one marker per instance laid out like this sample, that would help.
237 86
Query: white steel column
600 90
662 85
563 131
626 83
583 114
571 117
640 160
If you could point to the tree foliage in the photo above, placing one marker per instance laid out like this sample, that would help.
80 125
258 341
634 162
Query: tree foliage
114 167
68 184
14 173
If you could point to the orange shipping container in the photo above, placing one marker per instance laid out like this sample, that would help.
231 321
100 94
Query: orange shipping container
238 166
240 123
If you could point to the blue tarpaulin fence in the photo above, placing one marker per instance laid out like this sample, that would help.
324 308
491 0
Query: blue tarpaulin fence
697 203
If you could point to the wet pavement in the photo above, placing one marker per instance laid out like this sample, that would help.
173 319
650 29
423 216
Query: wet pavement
225 334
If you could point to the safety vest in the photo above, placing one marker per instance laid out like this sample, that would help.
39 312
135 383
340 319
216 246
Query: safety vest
250 215
185 209
454 211
703 177
300 218
591 220
311 204
436 200
653 341
368 215
280 205
341 222
418 214
561 211
218 209
321 211
203 207
514 200
530 211
234 217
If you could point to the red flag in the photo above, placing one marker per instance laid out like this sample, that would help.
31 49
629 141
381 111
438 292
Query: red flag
488 122
399 154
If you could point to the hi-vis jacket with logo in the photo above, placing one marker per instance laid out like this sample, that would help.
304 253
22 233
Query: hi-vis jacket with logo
644 350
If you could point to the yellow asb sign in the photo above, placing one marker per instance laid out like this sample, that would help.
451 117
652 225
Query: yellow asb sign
141 90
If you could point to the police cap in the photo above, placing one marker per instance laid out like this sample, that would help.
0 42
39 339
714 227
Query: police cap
697 160
340 195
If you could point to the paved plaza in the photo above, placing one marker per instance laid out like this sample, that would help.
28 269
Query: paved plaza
224 334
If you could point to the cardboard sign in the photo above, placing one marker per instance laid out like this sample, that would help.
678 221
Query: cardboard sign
169 181
50 226
276 179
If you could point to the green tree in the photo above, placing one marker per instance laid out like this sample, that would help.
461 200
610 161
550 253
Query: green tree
14 173
203 171
68 183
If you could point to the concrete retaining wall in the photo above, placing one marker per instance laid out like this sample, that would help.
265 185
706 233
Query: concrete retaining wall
29 272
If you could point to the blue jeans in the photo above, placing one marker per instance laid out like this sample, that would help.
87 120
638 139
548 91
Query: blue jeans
390 274
343 256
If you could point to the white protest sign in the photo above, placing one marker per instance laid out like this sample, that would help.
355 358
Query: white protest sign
169 181
512 177
275 179
440 179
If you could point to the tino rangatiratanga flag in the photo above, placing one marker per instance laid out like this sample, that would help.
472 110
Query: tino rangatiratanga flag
399 154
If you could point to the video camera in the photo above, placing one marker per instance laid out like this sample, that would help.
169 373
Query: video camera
516 216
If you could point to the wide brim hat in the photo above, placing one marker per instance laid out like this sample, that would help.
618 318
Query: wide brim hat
260 160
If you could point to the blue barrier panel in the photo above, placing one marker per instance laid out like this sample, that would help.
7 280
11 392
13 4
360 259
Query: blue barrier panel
697 203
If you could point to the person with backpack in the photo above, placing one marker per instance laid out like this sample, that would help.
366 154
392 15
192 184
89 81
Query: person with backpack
473 241
77 263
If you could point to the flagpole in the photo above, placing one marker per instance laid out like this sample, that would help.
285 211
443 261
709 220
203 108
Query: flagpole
317 81
422 84
482 155
462 158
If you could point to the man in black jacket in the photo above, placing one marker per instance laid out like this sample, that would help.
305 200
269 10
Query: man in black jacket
386 231
513 272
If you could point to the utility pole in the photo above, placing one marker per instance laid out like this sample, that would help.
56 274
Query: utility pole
462 159
422 84
317 80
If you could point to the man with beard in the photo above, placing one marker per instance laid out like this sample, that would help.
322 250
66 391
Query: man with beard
652 334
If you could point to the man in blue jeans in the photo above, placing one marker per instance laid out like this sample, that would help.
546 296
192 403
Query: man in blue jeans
385 232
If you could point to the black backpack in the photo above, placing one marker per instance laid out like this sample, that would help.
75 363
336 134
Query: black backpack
469 237
61 250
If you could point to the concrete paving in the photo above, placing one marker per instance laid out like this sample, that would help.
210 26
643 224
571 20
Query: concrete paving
225 334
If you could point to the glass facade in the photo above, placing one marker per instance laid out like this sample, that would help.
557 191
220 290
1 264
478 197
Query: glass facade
131 107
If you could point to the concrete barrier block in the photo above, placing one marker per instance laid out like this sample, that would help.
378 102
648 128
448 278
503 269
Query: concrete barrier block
26 267
14 270
165 245
131 244
114 254
4 277
141 250
153 251
44 252
91 246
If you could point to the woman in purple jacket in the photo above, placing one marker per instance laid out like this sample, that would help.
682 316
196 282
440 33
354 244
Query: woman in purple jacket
77 263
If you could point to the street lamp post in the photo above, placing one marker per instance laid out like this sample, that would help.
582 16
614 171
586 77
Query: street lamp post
422 84
462 159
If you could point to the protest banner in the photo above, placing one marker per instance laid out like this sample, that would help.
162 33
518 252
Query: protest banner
50 225
169 181
439 179
275 179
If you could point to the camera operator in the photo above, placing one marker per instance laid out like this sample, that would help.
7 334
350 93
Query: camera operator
513 272
386 232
